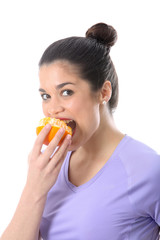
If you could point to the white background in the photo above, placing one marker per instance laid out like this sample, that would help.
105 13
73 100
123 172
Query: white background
26 29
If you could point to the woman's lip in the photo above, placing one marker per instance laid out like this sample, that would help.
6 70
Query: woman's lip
65 119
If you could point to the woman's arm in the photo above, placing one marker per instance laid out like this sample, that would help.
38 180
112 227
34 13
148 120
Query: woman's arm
26 220
42 175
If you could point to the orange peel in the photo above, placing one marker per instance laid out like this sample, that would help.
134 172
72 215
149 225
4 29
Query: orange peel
56 124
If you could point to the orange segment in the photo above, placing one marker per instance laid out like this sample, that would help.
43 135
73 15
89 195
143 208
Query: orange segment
56 125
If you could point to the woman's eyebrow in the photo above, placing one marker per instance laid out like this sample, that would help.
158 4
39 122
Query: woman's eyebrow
63 84
58 86
41 90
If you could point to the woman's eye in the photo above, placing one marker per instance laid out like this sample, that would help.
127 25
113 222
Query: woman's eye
45 96
67 92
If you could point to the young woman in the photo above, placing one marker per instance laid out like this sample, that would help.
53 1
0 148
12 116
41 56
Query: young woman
100 183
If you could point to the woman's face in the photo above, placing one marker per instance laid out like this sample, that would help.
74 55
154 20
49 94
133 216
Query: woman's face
68 97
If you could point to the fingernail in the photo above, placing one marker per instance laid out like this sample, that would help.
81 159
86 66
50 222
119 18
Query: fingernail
48 126
68 137
62 130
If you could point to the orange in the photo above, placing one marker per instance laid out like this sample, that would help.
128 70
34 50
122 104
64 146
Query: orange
56 125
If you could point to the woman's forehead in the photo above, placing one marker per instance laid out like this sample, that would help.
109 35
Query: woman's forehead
59 73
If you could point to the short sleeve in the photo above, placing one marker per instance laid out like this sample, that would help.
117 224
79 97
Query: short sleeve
144 187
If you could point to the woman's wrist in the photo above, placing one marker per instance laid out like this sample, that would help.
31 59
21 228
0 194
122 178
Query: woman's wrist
31 197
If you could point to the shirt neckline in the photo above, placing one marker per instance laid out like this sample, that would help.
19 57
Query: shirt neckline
94 178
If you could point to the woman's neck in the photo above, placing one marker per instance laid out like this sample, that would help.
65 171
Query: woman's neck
104 141
87 160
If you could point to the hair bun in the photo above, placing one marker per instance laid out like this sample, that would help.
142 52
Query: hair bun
103 33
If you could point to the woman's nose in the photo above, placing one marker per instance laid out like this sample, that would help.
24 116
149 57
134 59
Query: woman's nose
55 109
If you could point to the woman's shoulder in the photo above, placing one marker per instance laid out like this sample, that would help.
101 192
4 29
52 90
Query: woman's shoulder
142 167
140 159
139 151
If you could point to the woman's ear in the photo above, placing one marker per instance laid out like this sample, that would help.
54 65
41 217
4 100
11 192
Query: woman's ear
105 92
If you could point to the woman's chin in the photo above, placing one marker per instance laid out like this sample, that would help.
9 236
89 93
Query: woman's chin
74 146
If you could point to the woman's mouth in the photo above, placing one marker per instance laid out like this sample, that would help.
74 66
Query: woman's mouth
71 124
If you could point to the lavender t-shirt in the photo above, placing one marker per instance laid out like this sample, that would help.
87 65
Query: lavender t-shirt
121 202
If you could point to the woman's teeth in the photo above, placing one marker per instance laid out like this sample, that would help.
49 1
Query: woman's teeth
67 121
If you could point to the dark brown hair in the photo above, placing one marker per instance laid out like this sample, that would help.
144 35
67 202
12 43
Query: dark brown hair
91 55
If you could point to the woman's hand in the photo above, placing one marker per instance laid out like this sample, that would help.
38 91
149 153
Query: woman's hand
42 174
44 169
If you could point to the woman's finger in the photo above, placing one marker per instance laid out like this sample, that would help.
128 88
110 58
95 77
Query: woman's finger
40 139
54 143
61 152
